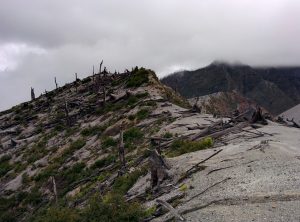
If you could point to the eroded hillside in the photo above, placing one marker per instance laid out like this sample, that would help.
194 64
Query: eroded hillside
62 157
71 134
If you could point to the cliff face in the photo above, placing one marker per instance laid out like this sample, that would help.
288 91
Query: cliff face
276 89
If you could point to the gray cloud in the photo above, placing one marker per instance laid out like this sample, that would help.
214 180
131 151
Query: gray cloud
43 39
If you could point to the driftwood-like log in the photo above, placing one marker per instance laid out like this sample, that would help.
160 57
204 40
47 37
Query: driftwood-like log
196 167
172 210
293 122
224 132
206 131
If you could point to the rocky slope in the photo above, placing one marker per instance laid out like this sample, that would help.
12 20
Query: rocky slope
219 169
224 104
276 89
72 134
293 113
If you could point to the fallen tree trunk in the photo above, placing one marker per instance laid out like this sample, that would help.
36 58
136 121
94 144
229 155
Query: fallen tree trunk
172 210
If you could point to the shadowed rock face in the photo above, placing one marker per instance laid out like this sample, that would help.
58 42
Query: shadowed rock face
276 89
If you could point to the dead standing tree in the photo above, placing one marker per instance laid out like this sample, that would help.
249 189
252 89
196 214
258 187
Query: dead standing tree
68 120
122 154
56 85
158 169
54 188
100 66
258 117
104 96
32 94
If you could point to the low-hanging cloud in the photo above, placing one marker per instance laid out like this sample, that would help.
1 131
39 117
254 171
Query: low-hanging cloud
43 39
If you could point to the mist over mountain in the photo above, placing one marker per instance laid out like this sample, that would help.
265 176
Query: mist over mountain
275 88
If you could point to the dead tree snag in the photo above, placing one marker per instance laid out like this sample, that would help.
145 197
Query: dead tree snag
32 94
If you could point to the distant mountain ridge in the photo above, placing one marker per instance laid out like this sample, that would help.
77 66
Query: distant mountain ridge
275 88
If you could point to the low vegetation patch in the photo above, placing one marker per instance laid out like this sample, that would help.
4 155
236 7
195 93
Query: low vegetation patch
142 114
108 142
124 183
132 136
93 130
138 77
111 207
4 165
180 147
104 162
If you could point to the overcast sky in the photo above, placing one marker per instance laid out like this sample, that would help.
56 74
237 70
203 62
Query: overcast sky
40 39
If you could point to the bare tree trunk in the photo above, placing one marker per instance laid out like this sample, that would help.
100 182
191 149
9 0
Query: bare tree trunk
258 117
104 96
67 114
32 94
122 153
100 66
54 188
56 85
76 80
158 169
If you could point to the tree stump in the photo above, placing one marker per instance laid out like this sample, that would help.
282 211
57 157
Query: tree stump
158 169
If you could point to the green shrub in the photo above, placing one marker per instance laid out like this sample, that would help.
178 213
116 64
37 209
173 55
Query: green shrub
124 183
34 197
132 100
180 147
36 152
104 162
168 135
71 175
131 117
108 142
4 165
138 77
58 214
25 178
112 208
142 114
131 137
133 134
93 130
51 170
6 206
76 145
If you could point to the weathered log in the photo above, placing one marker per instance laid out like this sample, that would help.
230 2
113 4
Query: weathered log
172 210
293 122
196 167
206 131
